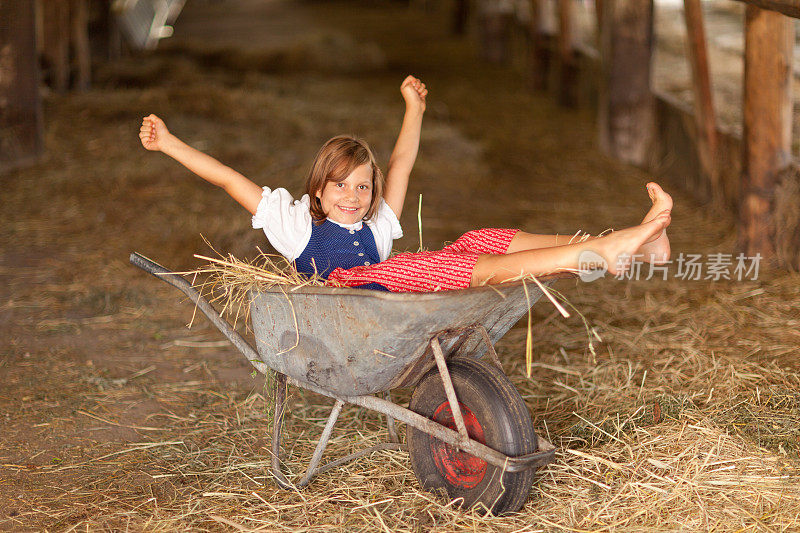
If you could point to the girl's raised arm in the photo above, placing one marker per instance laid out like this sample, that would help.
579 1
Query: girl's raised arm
156 137
405 150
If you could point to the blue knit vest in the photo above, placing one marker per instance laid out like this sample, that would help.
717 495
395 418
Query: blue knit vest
332 246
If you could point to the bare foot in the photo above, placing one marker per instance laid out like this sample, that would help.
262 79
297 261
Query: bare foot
618 248
657 249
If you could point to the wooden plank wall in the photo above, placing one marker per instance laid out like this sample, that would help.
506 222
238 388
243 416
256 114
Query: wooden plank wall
674 154
757 178
20 109
64 41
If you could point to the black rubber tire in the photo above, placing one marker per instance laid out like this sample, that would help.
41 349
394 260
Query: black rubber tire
491 401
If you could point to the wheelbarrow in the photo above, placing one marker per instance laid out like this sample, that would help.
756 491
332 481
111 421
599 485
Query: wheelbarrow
469 434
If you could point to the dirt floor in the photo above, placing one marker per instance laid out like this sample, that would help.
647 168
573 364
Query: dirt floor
114 415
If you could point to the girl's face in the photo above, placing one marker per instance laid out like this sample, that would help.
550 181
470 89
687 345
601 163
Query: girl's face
347 201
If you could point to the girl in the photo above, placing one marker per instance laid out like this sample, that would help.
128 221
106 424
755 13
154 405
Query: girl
343 226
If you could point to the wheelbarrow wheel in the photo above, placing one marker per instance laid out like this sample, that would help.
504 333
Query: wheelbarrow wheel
495 415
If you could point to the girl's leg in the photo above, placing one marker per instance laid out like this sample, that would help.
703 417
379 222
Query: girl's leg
615 249
656 250
532 241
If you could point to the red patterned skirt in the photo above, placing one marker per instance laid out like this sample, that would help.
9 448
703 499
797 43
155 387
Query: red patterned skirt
446 269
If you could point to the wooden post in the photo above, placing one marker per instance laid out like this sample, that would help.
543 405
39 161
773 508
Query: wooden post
705 117
598 13
460 16
79 20
105 39
20 107
625 106
56 42
769 38
539 54
568 68
495 25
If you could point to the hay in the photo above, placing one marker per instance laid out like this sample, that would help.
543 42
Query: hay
786 220
231 282
640 467
664 441
329 51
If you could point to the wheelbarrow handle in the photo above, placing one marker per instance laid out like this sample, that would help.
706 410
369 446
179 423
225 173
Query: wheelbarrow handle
166 275
150 266
202 304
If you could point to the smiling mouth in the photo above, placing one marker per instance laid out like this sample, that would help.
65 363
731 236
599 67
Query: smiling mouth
348 209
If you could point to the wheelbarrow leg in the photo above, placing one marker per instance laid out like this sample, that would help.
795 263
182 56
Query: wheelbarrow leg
449 391
390 421
490 351
323 442
277 427
313 467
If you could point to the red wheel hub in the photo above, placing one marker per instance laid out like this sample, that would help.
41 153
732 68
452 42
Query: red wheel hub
457 467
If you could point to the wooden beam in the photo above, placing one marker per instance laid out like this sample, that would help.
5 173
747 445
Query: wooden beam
790 8
625 105
495 25
56 42
567 85
705 117
565 44
598 18
20 107
460 16
79 20
769 38
539 53
598 13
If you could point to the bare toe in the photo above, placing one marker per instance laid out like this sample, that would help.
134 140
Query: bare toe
661 201
657 248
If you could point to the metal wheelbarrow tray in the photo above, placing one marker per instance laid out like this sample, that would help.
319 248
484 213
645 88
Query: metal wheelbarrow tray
469 432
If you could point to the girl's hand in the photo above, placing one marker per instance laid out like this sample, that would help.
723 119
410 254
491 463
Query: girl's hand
153 133
414 93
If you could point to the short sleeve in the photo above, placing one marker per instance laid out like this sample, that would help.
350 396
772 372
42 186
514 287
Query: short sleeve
285 221
385 228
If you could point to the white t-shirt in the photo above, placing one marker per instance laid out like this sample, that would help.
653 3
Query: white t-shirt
287 223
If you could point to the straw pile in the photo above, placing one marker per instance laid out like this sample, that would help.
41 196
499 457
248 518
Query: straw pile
229 282
661 429
644 444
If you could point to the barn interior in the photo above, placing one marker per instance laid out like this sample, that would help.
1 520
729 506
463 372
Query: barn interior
671 395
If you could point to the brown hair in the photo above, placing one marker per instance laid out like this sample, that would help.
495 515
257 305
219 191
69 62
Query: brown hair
336 160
